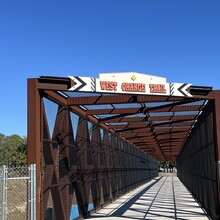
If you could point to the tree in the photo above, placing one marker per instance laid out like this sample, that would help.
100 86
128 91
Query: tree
13 150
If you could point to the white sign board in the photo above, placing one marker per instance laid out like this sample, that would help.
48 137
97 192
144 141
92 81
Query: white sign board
129 83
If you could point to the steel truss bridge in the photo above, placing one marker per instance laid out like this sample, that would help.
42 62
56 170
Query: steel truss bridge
94 139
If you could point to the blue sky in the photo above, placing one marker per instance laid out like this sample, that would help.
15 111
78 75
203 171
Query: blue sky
179 40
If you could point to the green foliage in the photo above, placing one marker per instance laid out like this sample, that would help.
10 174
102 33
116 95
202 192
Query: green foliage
13 150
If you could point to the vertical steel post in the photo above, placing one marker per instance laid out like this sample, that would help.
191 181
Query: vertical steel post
29 193
217 138
4 193
34 140
32 192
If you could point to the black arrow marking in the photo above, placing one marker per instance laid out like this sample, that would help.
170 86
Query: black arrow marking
180 89
81 86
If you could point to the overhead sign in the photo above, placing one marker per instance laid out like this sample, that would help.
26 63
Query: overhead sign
131 83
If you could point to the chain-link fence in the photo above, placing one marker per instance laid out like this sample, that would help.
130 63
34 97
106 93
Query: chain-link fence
18 193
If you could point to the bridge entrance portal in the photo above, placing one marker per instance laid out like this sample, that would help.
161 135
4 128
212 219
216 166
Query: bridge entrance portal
94 139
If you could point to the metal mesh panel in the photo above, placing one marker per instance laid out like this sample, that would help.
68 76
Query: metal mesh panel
94 167
196 164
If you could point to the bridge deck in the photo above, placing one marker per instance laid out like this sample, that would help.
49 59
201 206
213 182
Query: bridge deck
164 197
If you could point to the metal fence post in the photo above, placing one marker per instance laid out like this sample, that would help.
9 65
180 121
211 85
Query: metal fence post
32 192
4 193
29 192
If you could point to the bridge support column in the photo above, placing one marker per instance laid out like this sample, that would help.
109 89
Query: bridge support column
34 140
217 138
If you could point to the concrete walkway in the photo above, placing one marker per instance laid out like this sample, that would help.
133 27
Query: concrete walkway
163 198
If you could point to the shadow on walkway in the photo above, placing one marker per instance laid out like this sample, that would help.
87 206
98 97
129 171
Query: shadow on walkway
164 197
126 205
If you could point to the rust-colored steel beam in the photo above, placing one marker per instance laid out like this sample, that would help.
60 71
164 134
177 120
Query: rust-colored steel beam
54 83
139 134
112 111
92 100
181 108
147 110
145 140
118 126
122 119
217 137
172 132
173 140
150 118
121 99
34 139
131 129
131 126
174 123
217 122
175 118
170 129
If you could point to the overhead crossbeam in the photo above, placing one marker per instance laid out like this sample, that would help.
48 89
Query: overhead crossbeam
144 110
182 108
119 99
